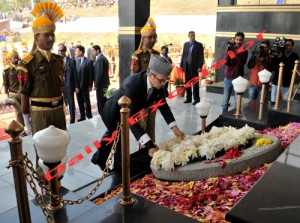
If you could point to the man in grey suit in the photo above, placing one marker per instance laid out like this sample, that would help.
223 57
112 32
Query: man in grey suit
143 89
191 63
71 81
101 76
85 75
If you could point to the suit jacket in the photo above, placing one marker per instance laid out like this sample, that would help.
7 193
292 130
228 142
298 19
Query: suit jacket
101 76
86 74
135 88
197 57
71 82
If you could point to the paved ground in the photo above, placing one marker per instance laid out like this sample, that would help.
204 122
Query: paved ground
85 133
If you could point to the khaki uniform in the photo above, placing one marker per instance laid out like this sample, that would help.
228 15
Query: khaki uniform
43 82
10 80
140 60
139 63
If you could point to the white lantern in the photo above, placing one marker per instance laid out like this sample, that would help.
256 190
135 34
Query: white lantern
203 108
240 85
51 144
46 169
264 76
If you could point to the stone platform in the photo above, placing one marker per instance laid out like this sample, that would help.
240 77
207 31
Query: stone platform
252 157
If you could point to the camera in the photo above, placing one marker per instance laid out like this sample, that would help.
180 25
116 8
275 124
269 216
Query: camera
277 46
258 51
231 44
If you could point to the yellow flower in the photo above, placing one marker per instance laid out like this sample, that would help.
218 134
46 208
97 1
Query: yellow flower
263 142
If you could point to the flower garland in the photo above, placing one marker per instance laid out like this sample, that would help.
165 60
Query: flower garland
177 152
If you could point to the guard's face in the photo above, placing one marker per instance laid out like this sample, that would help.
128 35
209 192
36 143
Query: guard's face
149 41
15 59
45 41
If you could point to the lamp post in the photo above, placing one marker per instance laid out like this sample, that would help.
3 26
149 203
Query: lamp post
51 145
239 86
264 78
203 109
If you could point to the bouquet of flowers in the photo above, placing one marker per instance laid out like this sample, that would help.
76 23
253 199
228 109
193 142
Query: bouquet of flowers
177 152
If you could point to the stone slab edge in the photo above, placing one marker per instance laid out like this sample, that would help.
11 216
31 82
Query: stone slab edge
252 157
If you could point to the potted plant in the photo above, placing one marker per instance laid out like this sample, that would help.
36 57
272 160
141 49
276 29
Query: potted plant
179 84
108 92
210 77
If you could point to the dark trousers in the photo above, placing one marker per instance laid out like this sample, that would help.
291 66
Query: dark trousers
139 161
188 76
84 103
69 96
100 100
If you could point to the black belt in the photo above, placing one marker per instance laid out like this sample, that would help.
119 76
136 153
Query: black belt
13 91
53 104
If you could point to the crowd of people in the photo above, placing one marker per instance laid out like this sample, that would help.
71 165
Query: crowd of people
265 56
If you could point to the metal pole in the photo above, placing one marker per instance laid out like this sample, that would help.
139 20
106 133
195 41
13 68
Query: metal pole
279 85
238 107
16 152
262 96
293 80
124 102
203 124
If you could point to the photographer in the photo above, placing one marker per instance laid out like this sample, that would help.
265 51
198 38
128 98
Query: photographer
259 61
234 66
288 57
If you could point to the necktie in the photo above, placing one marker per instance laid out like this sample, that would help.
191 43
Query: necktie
149 93
78 64
190 53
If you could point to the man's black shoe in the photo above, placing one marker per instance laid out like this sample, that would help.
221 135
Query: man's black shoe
187 101
81 119
195 102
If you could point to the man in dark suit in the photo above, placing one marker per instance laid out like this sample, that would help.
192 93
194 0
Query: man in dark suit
101 76
71 81
143 89
85 74
191 63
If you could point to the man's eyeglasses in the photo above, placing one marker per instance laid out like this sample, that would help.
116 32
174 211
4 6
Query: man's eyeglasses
161 81
288 45
61 51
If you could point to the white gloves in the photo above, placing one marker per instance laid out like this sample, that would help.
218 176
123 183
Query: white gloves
27 122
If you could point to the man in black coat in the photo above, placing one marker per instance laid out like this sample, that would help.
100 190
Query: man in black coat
143 89
191 63
85 75
71 82
101 76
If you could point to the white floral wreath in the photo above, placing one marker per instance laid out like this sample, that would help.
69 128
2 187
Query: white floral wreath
177 152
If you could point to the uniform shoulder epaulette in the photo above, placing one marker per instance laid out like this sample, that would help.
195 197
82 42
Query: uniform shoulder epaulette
138 51
27 58
134 57
6 67
20 67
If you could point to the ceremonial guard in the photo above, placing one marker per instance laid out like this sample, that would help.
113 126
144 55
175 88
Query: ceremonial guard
40 74
11 84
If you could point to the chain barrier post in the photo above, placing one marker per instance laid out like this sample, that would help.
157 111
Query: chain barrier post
293 80
15 143
278 93
124 102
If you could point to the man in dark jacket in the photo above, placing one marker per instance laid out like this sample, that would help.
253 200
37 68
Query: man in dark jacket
143 89
71 81
191 62
101 76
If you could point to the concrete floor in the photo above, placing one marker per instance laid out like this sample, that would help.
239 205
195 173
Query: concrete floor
85 133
